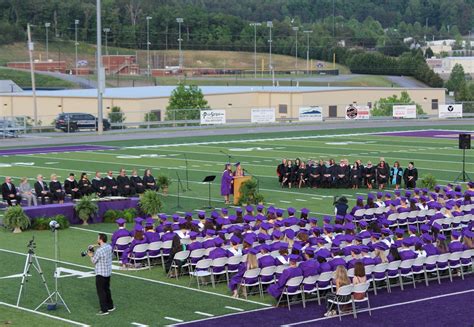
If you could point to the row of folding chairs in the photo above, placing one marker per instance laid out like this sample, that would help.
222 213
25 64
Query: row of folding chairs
144 252
449 224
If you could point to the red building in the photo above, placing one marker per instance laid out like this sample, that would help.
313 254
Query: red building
120 64
46 66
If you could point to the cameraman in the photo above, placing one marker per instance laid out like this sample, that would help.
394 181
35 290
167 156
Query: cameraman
102 259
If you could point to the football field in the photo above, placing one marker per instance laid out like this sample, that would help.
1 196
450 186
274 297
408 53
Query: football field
147 297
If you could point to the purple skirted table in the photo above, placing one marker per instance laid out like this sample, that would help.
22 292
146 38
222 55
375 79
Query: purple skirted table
67 209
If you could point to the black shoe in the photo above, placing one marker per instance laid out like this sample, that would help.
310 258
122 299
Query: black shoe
101 313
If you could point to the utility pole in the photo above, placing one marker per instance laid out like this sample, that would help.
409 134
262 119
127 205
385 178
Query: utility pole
148 45
180 21
255 47
295 28
47 25
307 50
100 72
32 71
270 63
76 22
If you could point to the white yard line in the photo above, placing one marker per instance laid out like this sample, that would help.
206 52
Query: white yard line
204 314
226 315
145 279
72 322
174 319
90 230
138 324
233 308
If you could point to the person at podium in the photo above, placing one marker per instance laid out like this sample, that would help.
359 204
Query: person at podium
226 183
239 172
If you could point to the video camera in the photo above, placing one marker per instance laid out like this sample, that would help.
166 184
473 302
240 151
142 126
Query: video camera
90 248
54 225
31 244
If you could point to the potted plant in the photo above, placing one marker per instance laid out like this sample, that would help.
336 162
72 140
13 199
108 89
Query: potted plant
150 203
163 182
16 219
85 208
249 194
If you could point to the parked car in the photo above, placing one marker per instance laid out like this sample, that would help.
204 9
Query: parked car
8 129
72 122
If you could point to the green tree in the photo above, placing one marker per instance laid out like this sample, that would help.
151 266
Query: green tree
384 107
429 53
457 79
116 115
185 97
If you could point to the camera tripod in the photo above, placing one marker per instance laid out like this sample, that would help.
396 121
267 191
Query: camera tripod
58 299
31 260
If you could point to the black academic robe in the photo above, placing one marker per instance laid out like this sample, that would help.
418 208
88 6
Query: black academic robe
294 173
98 186
342 175
382 174
302 176
111 188
69 186
281 170
56 190
327 173
355 176
124 186
137 184
315 176
369 175
150 183
85 186
9 193
410 172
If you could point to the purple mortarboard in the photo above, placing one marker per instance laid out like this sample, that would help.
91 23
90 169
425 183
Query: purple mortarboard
279 223
424 190
388 195
225 211
294 257
120 221
201 214
297 246
290 233
349 218
364 249
386 231
336 243
138 227
359 238
434 196
149 221
182 221
437 188
379 246
412 228
266 226
321 240
355 249
138 220
427 238
260 207
175 217
339 219
393 203
349 226
457 188
397 192
448 205
363 224
253 251
214 214
455 234
221 220
327 219
436 226
262 237
376 235
283 246
279 212
404 199
360 198
234 239
271 210
305 211
399 231
218 241
441 237
416 190
238 210
379 195
188 214
309 251
249 208
413 200
313 220
470 184
168 223
337 227
266 247
329 228
468 233
193 235
249 238
370 196
424 228
291 211
406 242
163 216
210 232
276 233
408 194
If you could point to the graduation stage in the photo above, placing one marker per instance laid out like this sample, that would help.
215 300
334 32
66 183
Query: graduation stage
67 209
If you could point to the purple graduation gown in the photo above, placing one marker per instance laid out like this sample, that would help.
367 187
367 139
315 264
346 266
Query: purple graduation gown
237 278
216 254
226 183
128 251
121 232
276 289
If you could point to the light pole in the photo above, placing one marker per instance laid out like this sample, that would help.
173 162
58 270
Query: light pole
47 25
32 72
100 73
295 28
76 22
255 46
148 44
106 31
180 21
270 63
307 50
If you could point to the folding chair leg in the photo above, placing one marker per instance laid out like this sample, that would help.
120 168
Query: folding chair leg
339 310
354 311
279 300
439 277
450 274
368 305
426 279
375 286
414 282
401 282
319 297
302 296
149 263
389 289
288 299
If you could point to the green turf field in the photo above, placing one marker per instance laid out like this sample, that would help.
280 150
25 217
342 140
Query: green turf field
148 297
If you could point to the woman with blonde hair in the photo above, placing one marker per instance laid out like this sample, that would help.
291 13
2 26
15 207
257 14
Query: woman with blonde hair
250 263
340 279
26 192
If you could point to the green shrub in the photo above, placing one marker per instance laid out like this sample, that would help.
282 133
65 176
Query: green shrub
110 216
163 181
15 218
428 181
249 194
86 208
129 214
42 223
150 203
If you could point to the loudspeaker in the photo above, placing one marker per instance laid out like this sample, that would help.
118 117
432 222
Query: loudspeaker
465 141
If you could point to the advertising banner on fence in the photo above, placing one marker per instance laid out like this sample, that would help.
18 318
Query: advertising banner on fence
406 111
450 111
357 112
313 113
263 115
212 117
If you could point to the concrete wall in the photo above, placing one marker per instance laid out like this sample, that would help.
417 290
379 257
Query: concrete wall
238 106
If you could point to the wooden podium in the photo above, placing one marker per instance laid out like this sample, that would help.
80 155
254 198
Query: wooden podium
237 183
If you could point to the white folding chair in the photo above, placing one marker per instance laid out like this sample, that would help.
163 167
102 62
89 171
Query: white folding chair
454 262
233 261
165 246
195 256
381 268
430 267
180 261
361 289
392 267
139 248
309 281
442 263
359 214
266 272
325 277
121 241
406 264
466 259
344 291
154 247
294 282
201 270
418 267
248 275
219 263
402 219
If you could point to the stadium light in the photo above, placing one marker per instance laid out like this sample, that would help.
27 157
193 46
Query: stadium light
47 25
76 22
307 50
296 29
148 18
180 20
255 46
106 31
270 64
100 73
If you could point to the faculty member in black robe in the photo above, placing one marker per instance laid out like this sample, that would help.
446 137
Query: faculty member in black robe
137 182
149 181
355 175
98 185
382 173
9 192
281 169
369 175
85 185
315 175
71 187
124 186
342 173
410 175
56 189
110 183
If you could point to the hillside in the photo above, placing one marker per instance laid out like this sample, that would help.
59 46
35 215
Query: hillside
23 79
192 58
